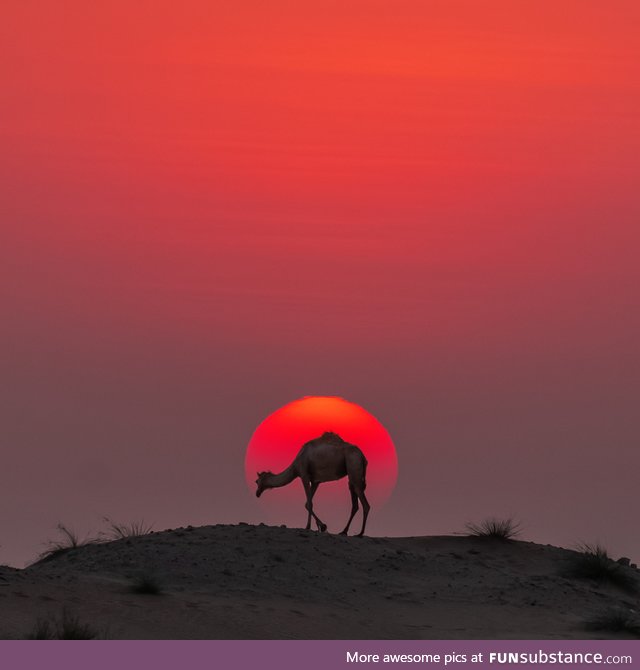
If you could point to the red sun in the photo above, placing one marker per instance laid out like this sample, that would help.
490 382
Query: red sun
279 437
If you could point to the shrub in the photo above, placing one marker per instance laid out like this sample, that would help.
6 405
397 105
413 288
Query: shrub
591 561
121 531
67 627
147 585
499 529
42 630
68 540
616 620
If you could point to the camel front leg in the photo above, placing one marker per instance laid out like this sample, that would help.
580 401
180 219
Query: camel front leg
306 485
322 527
310 490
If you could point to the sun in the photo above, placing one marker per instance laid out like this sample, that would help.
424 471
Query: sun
277 440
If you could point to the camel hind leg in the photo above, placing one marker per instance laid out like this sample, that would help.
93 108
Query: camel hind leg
365 509
357 471
354 508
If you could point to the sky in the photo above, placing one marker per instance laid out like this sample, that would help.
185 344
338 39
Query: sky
429 208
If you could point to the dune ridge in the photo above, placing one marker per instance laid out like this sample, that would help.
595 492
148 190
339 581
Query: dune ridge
262 582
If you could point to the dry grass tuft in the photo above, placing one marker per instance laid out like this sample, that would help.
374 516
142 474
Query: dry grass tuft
616 620
147 584
591 561
68 541
67 627
498 529
121 531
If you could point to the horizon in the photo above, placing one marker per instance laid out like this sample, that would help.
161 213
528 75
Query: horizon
428 209
114 531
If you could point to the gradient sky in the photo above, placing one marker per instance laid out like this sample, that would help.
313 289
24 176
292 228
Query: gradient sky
429 208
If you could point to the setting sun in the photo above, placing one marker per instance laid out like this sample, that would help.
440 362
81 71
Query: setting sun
279 437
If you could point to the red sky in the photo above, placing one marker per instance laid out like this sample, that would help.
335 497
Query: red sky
208 210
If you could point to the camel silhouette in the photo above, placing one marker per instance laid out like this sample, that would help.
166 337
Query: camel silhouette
324 459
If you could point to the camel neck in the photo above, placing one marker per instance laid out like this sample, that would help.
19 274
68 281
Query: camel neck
282 479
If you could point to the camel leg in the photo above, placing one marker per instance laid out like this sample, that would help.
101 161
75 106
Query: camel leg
310 489
322 527
365 510
306 485
354 509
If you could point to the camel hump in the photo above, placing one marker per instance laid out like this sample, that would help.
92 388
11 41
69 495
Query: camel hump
331 437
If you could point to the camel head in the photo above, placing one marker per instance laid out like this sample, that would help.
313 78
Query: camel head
260 483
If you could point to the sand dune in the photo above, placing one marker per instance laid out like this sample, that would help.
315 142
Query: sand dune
265 582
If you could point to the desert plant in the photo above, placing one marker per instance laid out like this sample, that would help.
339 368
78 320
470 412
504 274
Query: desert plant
147 585
42 630
616 620
67 627
498 529
71 628
591 561
69 540
121 531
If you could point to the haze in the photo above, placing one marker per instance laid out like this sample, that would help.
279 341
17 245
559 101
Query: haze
428 208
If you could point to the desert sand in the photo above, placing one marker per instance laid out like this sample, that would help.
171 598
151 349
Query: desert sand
262 582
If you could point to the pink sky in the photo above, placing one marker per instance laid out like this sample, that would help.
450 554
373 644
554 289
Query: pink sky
429 208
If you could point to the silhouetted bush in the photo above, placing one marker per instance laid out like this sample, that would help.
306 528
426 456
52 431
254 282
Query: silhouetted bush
616 620
147 585
593 562
67 627
499 529
68 541
121 531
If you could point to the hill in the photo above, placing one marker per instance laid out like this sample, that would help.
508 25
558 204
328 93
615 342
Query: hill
261 582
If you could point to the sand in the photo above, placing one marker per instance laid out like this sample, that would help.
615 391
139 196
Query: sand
261 582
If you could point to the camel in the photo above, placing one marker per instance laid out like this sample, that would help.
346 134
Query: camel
324 459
